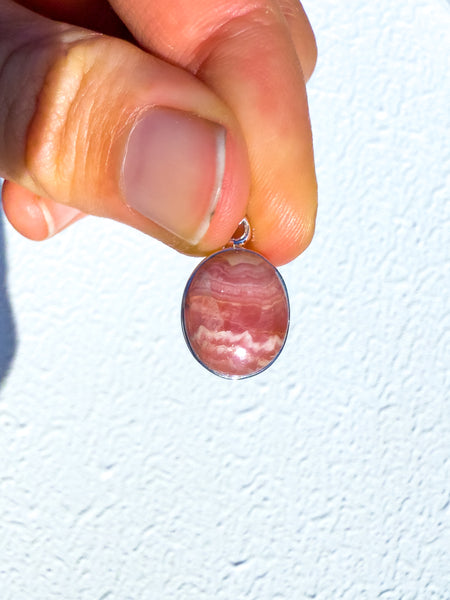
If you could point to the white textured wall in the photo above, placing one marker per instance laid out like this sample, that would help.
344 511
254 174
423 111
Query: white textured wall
129 473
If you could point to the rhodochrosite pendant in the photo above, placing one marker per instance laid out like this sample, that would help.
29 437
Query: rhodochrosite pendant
235 312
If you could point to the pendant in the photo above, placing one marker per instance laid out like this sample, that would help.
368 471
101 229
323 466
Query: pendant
235 311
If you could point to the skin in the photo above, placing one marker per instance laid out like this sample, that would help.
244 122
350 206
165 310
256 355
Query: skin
68 96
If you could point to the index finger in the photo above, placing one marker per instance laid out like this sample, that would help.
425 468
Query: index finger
245 53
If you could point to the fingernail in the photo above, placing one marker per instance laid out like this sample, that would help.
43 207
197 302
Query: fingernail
58 216
173 170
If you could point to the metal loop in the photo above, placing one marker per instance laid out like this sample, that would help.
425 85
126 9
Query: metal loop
242 239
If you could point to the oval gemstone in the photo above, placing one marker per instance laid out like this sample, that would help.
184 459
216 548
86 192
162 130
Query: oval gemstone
235 313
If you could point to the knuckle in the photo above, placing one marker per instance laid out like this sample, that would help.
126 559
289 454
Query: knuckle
57 120
16 103
41 73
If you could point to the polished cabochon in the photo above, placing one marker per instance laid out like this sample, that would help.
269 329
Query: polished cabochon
235 313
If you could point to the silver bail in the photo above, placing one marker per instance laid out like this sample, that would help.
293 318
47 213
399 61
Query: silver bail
242 239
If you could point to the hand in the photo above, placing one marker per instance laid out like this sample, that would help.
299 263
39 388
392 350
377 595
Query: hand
180 120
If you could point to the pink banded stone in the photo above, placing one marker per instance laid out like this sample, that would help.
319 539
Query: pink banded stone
235 313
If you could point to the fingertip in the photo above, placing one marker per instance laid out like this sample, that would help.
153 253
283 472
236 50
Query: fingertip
34 217
23 211
282 233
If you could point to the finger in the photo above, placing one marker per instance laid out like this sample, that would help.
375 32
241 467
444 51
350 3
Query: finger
34 217
245 53
98 125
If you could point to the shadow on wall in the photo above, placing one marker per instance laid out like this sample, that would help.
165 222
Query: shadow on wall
7 329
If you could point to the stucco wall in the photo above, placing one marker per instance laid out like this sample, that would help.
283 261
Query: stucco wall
128 472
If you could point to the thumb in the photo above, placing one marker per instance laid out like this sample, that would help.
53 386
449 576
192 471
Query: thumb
100 126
